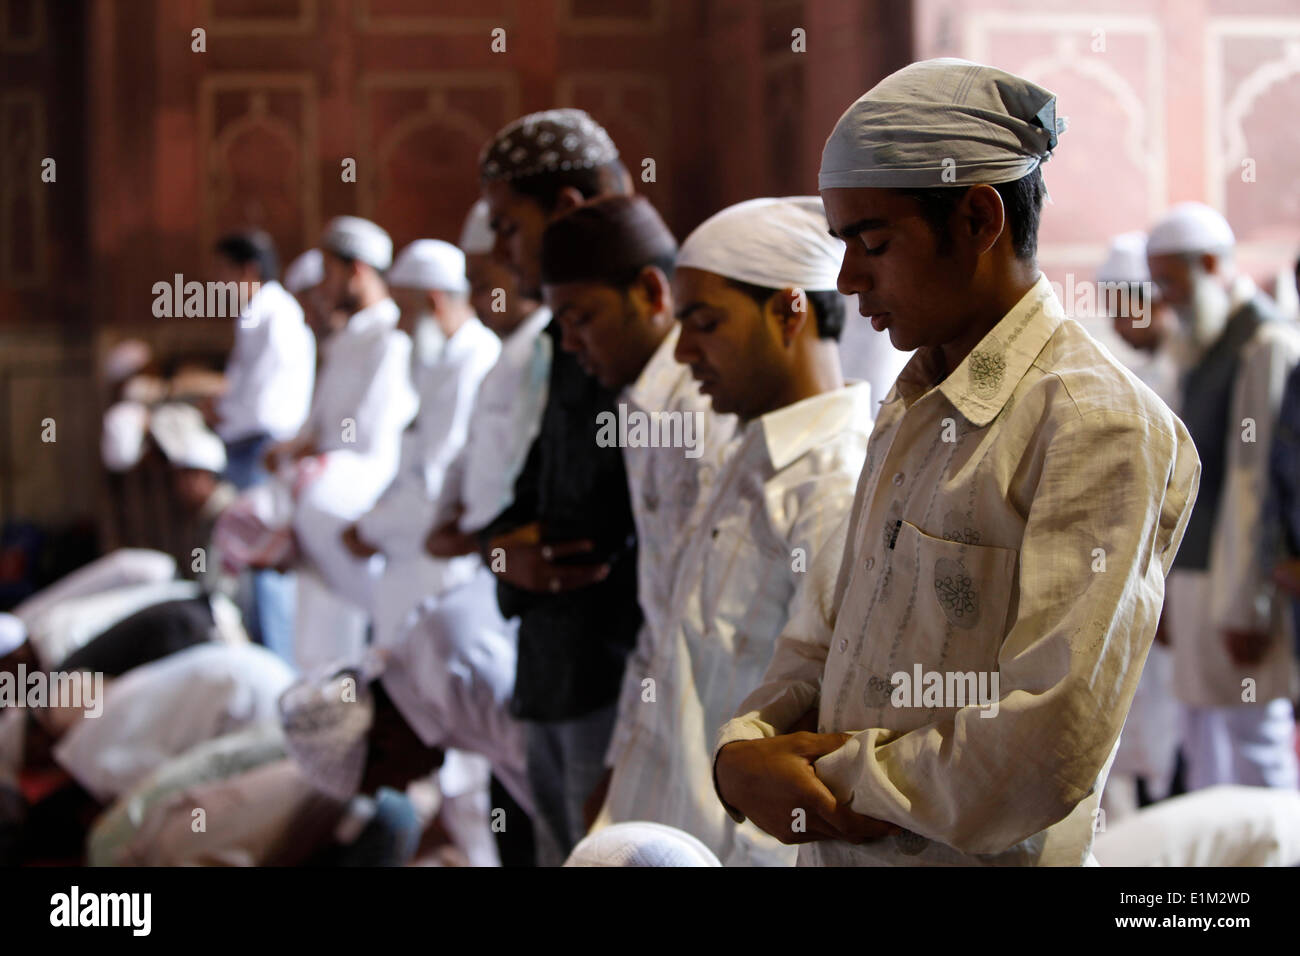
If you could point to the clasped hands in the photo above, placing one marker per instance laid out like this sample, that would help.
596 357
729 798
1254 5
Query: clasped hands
770 779
531 564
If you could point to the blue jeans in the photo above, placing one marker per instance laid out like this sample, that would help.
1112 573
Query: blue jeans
244 461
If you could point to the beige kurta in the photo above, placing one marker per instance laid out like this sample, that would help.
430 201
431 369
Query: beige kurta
1016 520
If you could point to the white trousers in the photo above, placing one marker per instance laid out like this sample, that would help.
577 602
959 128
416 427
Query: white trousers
1252 745
452 675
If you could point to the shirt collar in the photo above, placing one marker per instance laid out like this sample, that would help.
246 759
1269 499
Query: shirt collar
791 431
981 384
656 381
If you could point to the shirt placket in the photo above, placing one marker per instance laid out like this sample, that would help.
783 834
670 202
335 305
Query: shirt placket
849 638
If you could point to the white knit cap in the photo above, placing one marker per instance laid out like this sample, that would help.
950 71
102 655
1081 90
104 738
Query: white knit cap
476 237
352 237
641 844
121 443
1190 227
1126 261
773 243
184 438
429 264
305 272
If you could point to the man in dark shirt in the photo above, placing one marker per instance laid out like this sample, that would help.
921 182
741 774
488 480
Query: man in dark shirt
565 550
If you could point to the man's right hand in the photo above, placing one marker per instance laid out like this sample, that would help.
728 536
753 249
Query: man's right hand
770 779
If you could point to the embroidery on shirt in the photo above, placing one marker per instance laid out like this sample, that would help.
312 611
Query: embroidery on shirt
956 591
957 527
986 369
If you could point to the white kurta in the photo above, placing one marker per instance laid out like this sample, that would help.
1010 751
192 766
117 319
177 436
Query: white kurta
1237 590
506 418
120 568
73 623
447 373
364 400
781 499
667 490
271 369
158 711
452 674
1017 520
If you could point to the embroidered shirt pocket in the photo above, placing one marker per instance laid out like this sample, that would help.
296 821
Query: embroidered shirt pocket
949 619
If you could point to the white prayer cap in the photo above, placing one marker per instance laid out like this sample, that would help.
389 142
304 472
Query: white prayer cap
773 243
305 272
326 723
974 123
477 237
121 443
352 237
13 634
1126 261
184 438
1190 227
125 359
429 264
641 844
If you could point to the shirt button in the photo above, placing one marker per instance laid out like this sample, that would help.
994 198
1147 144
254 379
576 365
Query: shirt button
844 644
898 478
871 563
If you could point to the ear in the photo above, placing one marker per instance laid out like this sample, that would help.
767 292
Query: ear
793 313
567 198
981 218
652 286
436 299
1209 262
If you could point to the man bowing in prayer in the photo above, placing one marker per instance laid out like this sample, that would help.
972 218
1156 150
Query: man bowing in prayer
1022 500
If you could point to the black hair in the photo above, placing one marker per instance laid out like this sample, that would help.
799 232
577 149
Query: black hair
242 248
608 179
827 306
1021 198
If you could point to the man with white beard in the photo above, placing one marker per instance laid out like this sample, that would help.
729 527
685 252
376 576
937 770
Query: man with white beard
1233 668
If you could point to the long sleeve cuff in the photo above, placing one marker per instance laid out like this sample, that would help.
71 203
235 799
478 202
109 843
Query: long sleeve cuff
738 728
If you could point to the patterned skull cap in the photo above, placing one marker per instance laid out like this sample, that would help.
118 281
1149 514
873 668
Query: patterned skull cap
326 718
546 142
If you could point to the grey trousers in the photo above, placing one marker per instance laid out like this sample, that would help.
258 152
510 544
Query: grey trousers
566 759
